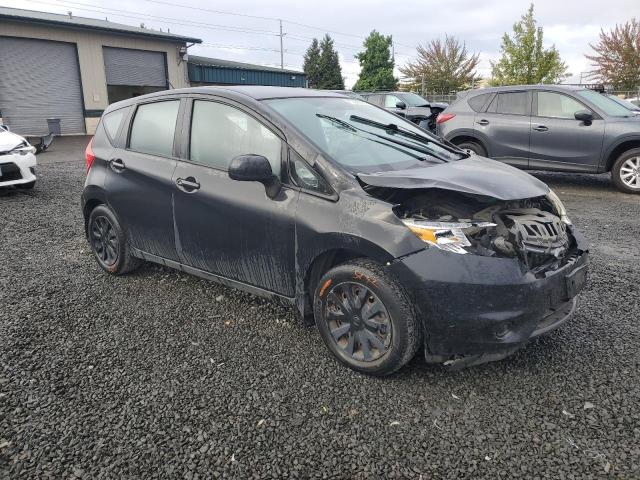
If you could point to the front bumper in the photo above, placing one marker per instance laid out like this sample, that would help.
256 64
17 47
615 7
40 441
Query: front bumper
17 169
477 309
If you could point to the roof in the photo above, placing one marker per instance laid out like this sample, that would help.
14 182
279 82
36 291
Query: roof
45 18
217 62
556 87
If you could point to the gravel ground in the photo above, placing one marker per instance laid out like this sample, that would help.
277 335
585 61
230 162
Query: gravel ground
160 375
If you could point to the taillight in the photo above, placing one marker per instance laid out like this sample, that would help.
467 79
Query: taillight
88 155
444 117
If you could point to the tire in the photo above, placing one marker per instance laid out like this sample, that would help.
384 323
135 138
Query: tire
625 173
27 186
474 147
113 254
378 344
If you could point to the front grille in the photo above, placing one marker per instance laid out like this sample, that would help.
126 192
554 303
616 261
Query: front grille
10 172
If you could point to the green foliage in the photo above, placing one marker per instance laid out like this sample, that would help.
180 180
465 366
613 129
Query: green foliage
442 67
376 64
322 65
524 61
617 57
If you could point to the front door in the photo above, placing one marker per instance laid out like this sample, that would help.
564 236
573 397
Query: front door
225 227
558 140
139 180
506 125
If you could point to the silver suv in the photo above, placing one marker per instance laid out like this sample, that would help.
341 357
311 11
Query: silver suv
548 127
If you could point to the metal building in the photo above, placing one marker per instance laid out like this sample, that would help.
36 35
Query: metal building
214 71
68 68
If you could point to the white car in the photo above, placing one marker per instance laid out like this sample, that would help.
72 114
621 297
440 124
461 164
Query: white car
17 160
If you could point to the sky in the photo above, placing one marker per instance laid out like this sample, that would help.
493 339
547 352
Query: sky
234 29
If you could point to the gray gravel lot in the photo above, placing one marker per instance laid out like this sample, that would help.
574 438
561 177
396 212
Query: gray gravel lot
161 375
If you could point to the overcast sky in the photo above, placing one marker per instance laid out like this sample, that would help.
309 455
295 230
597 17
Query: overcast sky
569 24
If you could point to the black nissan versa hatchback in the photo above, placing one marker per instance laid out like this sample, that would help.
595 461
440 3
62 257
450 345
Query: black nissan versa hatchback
390 239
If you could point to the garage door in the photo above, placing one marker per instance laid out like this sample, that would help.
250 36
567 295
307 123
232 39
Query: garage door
124 66
40 79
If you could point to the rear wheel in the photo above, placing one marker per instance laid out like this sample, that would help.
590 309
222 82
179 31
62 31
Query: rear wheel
108 242
472 147
366 318
625 173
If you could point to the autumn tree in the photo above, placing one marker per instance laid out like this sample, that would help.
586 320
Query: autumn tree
442 67
376 64
524 60
616 60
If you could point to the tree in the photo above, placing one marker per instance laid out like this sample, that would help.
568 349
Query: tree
330 72
312 62
322 65
376 64
524 60
442 67
617 57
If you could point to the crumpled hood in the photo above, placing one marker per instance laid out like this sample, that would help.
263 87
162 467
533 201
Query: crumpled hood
9 141
475 175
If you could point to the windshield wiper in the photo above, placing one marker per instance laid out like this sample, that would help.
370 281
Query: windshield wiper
405 133
351 128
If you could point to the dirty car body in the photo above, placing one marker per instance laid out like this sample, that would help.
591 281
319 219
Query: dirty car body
17 160
484 251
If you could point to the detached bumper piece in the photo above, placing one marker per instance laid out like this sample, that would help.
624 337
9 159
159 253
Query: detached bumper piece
478 309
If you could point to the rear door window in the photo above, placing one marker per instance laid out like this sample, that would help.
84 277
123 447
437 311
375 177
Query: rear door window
221 132
154 127
511 103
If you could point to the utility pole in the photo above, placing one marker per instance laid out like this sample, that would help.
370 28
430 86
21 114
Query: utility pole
281 49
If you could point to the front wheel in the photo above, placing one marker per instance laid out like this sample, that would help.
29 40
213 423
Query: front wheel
108 242
366 318
625 173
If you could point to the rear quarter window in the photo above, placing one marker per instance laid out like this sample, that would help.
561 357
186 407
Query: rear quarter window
479 102
112 122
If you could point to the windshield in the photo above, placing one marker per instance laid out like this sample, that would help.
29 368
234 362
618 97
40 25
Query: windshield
625 103
608 106
361 137
413 100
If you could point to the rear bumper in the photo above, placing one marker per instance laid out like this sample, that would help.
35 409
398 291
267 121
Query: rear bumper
17 169
476 309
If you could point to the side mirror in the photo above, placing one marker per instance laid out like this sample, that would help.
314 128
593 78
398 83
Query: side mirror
401 105
255 168
584 116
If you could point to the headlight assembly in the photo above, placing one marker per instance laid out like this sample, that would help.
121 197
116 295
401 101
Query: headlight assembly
558 207
449 236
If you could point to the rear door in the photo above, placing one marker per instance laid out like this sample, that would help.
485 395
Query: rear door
507 125
139 180
225 227
558 140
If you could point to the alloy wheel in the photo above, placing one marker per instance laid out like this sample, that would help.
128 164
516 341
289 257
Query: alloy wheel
630 172
358 321
104 240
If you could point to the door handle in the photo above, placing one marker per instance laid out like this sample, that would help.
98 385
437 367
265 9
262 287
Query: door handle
541 128
188 184
117 165
483 122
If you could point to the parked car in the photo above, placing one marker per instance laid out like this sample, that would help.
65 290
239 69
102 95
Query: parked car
390 239
409 105
625 103
17 160
548 127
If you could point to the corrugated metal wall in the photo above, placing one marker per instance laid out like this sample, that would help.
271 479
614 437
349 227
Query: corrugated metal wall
236 76
38 80
124 66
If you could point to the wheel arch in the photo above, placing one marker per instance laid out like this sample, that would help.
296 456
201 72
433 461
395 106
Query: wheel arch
618 149
91 198
460 136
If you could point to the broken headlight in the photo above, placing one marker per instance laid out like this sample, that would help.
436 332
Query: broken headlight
449 236
23 149
558 207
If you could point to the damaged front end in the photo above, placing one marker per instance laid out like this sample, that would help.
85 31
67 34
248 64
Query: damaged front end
495 272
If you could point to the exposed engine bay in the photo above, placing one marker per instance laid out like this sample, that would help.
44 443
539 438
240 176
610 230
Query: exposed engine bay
528 229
